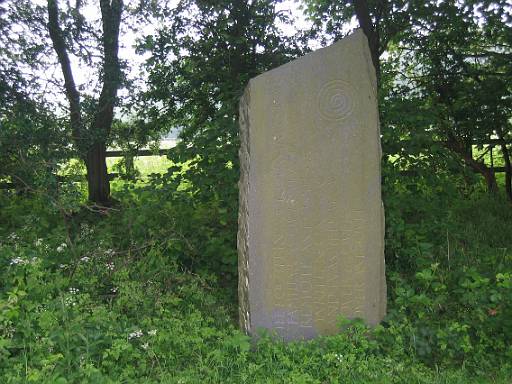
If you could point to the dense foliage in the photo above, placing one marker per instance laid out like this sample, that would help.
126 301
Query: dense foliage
117 300
200 63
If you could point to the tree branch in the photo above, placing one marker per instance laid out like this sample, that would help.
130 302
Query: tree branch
365 21
111 19
59 45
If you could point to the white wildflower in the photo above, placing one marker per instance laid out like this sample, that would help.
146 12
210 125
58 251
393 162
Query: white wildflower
110 266
74 291
19 261
152 332
16 261
113 289
62 247
39 242
145 346
135 335
69 301
85 259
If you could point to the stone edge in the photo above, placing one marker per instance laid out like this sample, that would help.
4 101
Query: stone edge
243 213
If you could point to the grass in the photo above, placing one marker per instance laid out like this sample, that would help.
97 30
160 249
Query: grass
144 164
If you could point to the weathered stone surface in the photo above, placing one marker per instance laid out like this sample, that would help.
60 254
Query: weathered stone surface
311 222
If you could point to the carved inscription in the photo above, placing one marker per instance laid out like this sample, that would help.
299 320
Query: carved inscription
335 100
310 228
317 265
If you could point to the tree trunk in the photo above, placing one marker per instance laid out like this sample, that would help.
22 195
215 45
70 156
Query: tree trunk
490 179
365 22
93 153
97 175
129 164
462 150
487 172
72 94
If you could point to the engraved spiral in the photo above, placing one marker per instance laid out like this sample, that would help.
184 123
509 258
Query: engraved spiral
335 100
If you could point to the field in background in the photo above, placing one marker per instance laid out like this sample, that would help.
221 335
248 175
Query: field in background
144 164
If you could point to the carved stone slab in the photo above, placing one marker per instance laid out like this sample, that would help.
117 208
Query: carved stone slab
311 222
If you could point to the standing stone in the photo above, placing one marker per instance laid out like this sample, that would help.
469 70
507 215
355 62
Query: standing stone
311 221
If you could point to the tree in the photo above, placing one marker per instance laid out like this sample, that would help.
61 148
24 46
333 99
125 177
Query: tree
458 64
200 63
33 140
380 20
32 143
201 60
451 61
90 137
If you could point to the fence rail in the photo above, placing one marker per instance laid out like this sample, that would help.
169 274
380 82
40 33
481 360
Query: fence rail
163 152
140 152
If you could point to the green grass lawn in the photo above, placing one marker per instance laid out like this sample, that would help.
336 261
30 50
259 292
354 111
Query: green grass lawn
144 164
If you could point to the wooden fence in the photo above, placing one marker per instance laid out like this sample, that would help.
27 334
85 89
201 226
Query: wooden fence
162 152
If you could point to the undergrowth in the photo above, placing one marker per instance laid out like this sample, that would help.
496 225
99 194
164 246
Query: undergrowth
147 294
